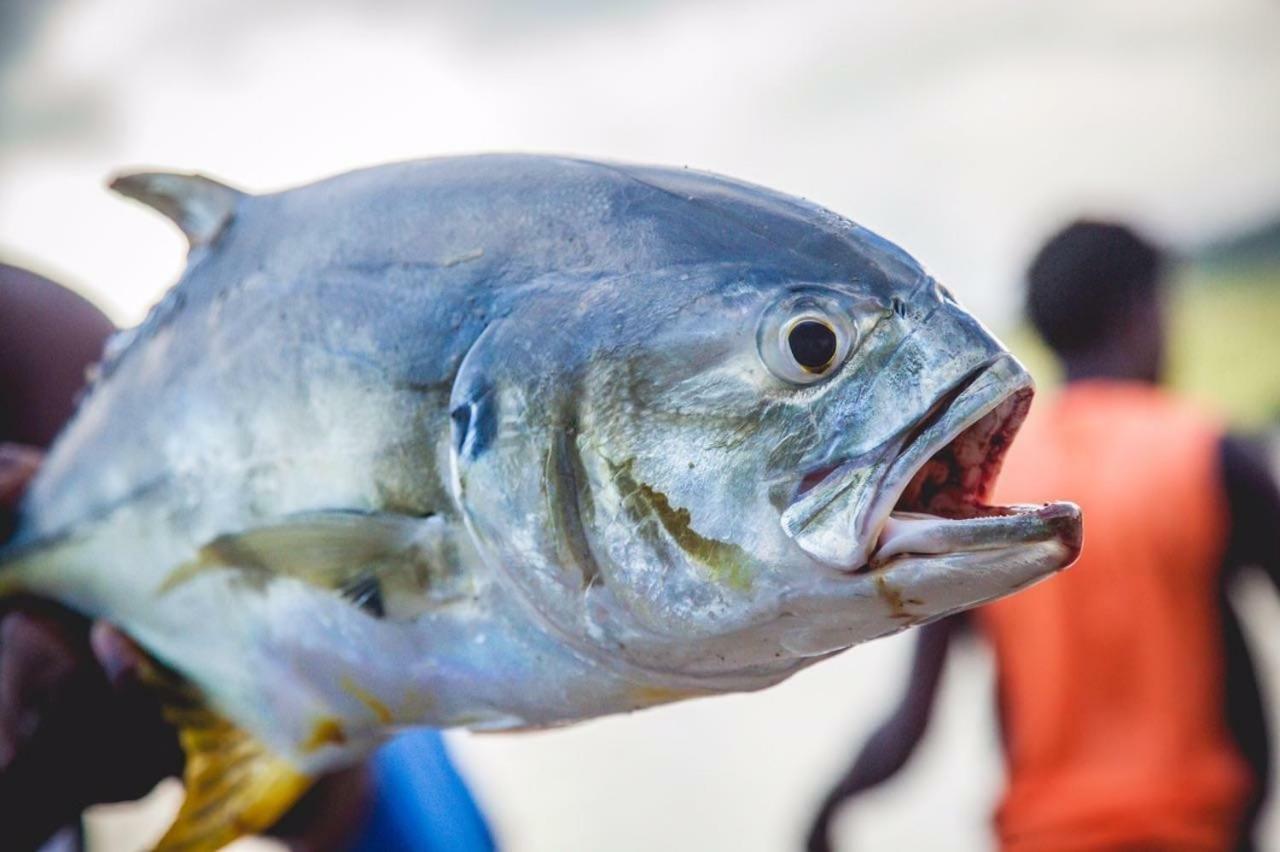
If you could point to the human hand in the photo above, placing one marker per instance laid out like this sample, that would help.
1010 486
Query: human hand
77 727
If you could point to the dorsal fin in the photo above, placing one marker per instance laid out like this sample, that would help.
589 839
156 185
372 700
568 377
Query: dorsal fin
200 206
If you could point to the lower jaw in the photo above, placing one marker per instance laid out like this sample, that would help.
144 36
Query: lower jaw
973 528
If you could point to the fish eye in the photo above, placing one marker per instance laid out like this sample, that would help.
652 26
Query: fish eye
804 338
813 344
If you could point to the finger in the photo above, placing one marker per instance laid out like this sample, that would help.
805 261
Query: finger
119 657
37 659
134 709
18 464
74 737
67 740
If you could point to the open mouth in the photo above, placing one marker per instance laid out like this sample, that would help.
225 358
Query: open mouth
944 508
958 476
957 479
932 496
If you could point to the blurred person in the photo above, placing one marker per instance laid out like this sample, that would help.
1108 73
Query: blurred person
1128 705
77 727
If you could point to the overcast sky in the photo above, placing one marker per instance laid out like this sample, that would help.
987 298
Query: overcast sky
961 130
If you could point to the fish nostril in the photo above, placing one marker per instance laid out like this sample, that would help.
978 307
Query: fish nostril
474 424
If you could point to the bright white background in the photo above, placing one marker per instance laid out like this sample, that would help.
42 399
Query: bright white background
964 131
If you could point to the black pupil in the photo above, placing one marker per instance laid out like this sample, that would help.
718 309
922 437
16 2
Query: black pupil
813 344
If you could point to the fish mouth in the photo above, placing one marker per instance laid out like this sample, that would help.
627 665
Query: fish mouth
935 483
944 507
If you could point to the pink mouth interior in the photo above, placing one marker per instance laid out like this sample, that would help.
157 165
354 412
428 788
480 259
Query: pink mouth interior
957 480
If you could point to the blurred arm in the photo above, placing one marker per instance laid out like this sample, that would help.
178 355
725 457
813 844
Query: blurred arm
1254 504
48 337
1253 540
77 726
888 749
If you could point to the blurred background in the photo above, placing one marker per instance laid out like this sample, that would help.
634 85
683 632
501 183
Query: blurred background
963 131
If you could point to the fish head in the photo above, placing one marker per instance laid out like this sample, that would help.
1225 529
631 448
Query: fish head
737 481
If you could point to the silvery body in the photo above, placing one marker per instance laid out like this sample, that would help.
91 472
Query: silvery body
521 446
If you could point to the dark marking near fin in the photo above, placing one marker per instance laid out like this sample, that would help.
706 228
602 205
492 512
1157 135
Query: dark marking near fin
235 786
366 592
200 206
475 424
461 419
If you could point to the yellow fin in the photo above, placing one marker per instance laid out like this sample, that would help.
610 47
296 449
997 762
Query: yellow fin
235 785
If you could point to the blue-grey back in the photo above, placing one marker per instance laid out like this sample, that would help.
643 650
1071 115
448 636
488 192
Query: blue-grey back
394 271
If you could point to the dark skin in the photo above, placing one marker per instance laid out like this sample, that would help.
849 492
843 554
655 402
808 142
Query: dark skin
1132 351
77 727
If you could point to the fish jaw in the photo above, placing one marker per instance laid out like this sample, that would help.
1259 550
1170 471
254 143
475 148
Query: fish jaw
918 587
927 544
950 565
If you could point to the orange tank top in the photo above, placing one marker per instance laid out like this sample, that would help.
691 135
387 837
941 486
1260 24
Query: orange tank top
1111 675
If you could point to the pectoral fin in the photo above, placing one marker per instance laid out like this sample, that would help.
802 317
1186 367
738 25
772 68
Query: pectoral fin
361 556
235 785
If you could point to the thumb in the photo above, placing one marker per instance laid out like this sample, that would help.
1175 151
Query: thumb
119 657
18 464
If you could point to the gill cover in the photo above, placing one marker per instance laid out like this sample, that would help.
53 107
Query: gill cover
514 453
577 471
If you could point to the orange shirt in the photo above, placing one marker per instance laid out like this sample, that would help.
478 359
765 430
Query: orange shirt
1111 675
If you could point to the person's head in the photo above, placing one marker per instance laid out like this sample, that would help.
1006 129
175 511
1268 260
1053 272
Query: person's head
1094 295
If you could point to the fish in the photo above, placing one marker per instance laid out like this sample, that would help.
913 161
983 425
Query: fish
503 442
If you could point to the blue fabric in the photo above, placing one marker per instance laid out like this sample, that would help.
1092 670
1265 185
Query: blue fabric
421 803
